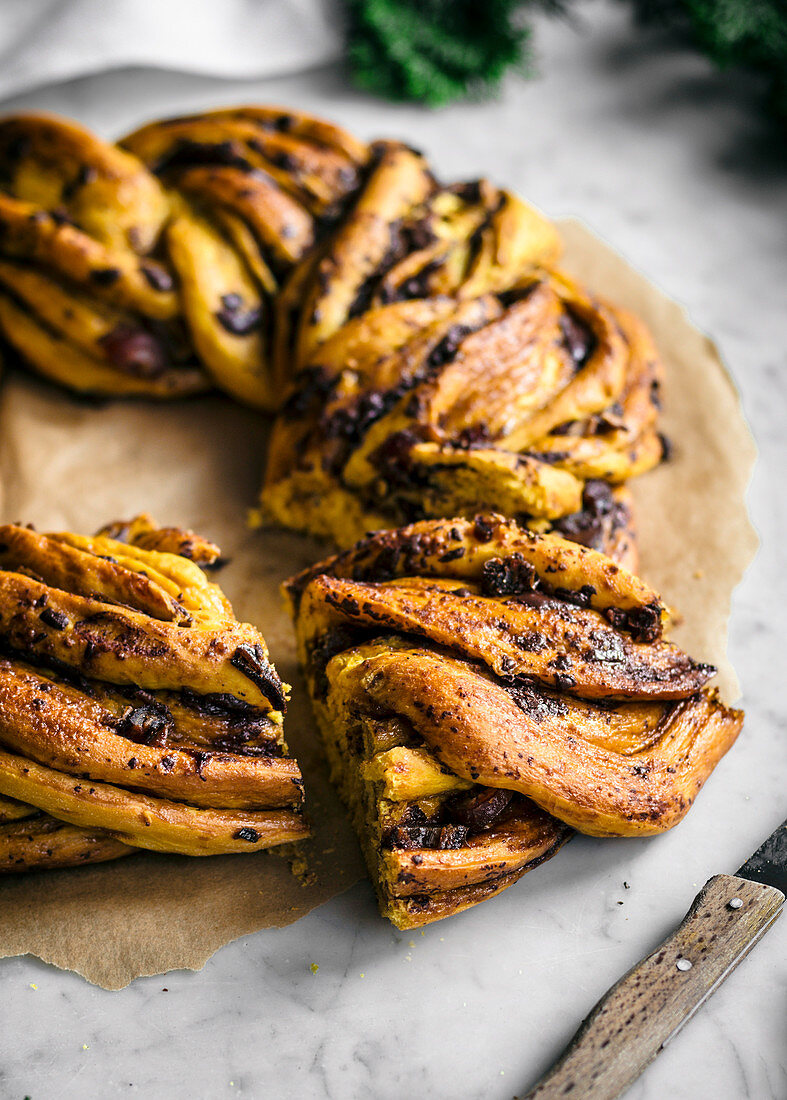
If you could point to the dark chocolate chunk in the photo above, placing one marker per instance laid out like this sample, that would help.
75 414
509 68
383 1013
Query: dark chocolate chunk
186 154
104 276
157 277
509 576
235 319
483 528
219 704
600 518
148 724
446 349
56 619
642 623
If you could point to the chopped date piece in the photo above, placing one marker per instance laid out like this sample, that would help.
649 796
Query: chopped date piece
480 810
147 724
135 351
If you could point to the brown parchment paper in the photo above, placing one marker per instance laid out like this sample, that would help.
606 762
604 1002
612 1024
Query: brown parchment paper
73 464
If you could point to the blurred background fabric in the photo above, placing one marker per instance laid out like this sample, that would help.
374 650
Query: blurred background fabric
44 41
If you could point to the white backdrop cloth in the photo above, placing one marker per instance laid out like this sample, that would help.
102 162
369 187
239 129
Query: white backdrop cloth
46 41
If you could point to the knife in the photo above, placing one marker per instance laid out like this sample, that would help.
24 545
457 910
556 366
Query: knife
638 1016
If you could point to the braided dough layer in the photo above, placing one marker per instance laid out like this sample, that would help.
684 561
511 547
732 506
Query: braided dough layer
134 707
482 691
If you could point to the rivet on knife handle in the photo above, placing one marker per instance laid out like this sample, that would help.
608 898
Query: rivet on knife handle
635 1019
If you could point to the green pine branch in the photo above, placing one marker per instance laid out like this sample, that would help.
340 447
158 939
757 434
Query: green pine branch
437 51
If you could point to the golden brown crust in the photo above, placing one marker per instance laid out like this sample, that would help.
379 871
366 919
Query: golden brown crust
144 532
150 269
144 822
426 354
513 638
482 690
42 843
520 839
507 559
57 724
521 390
567 757
131 699
13 810
85 295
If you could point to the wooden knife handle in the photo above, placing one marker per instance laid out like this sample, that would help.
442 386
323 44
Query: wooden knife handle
638 1016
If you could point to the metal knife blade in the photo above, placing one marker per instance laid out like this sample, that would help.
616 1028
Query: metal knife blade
769 863
638 1016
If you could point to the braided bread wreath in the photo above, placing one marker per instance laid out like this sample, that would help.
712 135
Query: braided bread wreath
487 679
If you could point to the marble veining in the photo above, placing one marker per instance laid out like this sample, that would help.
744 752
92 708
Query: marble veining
645 145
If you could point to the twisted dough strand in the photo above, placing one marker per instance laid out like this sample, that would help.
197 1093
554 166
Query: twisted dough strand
133 705
482 690
426 355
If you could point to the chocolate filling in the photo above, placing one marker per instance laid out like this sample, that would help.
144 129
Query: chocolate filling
600 518
439 837
578 338
252 662
235 319
188 154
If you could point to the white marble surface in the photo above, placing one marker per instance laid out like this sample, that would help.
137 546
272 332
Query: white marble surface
669 167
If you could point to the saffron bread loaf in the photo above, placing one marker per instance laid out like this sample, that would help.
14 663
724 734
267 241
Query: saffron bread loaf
135 710
483 691
510 391
150 268
487 679
31 840
425 353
